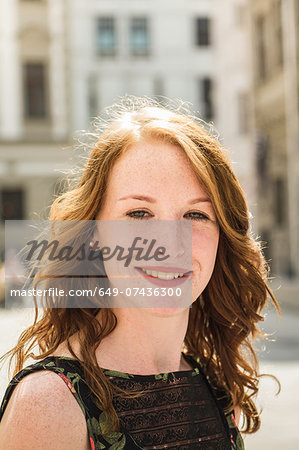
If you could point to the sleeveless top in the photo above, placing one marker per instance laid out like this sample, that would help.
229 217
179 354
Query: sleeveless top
182 409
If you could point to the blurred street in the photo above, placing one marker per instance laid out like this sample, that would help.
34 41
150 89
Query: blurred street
280 415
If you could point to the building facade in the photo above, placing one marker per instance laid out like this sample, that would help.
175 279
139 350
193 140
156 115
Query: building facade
233 93
34 125
63 61
275 33
142 48
174 48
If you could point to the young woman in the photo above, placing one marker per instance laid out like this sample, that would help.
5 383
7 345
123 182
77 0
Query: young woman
158 377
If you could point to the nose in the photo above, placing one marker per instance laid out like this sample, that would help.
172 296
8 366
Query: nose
176 237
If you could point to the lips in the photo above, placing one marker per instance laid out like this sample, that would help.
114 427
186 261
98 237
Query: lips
166 269
165 283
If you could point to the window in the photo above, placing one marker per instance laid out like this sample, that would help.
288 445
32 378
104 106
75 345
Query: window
106 36
206 97
35 90
12 204
279 201
202 31
262 158
139 36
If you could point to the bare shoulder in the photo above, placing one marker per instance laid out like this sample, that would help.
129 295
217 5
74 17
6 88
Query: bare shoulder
46 415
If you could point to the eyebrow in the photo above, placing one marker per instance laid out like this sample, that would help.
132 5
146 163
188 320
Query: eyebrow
152 200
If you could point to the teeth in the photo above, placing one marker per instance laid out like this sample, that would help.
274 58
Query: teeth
163 275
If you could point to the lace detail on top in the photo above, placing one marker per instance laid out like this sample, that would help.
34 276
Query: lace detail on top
180 409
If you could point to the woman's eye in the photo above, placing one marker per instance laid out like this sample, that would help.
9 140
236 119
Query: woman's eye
137 214
140 214
198 216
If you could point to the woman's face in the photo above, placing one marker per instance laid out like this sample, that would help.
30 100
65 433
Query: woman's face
163 173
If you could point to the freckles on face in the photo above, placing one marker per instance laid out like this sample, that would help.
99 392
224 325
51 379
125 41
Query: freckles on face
205 242
204 252
152 168
162 172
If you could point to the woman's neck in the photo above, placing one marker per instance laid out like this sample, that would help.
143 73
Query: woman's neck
145 341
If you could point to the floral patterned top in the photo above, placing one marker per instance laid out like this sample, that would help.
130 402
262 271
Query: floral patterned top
182 409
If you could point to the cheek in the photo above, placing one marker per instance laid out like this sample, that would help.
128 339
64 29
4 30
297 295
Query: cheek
204 246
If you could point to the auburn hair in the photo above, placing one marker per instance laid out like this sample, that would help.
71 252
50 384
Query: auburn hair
223 319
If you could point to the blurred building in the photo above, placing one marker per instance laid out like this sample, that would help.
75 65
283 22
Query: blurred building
275 38
34 123
154 48
169 48
233 92
63 61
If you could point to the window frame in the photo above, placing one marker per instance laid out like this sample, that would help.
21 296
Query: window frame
203 37
145 50
12 190
30 111
108 51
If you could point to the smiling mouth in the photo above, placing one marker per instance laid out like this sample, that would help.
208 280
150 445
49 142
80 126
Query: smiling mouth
163 275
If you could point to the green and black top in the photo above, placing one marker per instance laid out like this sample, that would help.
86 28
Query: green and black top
182 409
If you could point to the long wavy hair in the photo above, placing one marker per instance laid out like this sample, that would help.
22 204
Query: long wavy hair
223 319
